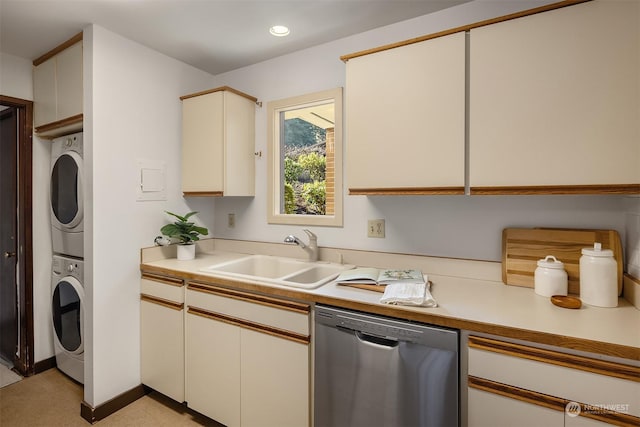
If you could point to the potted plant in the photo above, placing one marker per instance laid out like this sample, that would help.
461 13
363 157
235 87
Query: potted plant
186 233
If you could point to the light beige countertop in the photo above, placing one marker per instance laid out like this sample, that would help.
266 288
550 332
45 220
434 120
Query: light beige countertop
475 299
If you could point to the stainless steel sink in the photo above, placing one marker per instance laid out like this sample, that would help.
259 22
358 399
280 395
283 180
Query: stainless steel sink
280 270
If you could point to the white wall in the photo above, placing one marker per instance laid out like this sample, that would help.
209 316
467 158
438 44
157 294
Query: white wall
15 77
132 112
16 81
452 226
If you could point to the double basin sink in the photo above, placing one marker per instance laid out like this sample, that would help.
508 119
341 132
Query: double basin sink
279 270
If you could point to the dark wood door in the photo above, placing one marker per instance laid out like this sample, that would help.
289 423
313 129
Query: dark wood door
8 237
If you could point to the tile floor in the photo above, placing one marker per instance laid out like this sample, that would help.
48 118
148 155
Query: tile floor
51 399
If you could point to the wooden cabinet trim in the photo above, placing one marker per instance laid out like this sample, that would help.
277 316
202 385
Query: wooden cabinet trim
551 402
557 189
220 89
56 50
469 27
269 330
600 367
162 279
161 301
293 306
203 194
406 191
517 393
60 123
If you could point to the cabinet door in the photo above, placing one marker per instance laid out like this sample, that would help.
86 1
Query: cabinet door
162 348
554 98
44 93
492 410
240 142
69 82
405 115
275 381
203 152
577 421
213 369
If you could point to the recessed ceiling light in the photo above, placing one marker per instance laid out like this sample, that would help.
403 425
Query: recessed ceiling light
279 30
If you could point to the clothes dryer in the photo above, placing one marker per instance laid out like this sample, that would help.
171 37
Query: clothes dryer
67 216
67 309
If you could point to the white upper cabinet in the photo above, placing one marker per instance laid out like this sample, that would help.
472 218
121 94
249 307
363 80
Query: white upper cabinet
58 89
405 119
218 140
555 101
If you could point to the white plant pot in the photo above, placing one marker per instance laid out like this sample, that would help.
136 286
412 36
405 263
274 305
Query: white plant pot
186 252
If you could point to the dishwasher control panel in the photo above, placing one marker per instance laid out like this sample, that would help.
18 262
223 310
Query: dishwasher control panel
388 328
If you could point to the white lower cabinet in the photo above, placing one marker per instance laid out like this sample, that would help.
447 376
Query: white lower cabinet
213 369
578 421
514 384
488 409
247 358
274 381
162 335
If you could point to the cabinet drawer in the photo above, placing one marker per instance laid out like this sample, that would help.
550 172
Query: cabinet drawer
167 288
575 378
281 314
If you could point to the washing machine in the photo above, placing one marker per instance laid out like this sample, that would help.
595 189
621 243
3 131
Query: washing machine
67 216
67 309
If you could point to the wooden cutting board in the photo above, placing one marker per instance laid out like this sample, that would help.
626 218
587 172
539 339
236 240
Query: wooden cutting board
523 247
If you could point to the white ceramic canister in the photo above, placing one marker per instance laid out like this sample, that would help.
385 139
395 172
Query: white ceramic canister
550 277
598 277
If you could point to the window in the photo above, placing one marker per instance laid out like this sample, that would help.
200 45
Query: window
305 159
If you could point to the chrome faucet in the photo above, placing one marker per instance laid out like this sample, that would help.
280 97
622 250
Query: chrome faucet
311 248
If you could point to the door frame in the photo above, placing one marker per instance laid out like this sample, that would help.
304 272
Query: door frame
25 363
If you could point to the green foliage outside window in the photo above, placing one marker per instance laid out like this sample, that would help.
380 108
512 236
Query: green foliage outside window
314 194
315 164
289 199
305 166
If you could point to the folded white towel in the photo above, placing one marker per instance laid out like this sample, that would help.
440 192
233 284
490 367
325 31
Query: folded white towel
416 294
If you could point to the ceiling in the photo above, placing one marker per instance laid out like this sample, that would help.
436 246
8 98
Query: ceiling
213 35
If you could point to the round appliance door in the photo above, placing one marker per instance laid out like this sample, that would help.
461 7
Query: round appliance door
66 190
68 312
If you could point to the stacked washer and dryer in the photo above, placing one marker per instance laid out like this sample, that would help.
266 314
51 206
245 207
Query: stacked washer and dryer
67 274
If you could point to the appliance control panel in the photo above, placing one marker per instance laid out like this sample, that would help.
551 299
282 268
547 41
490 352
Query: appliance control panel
63 266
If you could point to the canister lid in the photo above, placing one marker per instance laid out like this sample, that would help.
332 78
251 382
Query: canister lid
550 262
597 251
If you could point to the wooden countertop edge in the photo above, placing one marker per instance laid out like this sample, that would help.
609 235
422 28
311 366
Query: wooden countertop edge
580 344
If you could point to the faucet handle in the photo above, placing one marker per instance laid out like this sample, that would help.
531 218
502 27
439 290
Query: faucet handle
310 234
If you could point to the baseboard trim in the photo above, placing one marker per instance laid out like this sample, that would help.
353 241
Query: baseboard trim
93 415
44 365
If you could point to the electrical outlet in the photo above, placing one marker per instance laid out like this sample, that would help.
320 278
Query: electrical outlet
231 220
375 228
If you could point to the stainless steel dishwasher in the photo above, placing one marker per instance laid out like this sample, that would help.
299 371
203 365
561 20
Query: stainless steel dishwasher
375 371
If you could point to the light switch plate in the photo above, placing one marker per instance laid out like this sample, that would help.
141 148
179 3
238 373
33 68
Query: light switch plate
151 180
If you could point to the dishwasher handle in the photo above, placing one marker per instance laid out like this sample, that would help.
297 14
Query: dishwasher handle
374 339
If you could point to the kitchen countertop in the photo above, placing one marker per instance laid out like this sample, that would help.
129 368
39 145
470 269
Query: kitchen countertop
483 306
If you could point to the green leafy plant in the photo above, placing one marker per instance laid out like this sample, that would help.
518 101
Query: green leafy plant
289 199
315 194
182 230
315 164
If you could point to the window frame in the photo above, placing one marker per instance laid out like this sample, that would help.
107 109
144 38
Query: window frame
275 168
